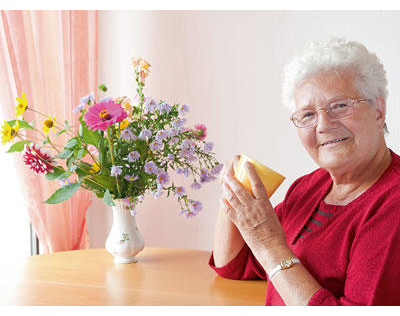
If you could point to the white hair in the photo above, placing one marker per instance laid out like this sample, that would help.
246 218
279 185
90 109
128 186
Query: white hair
335 54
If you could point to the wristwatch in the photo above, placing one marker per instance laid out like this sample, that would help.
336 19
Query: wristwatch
283 265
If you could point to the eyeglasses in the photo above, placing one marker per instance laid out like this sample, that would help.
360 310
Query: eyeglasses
336 110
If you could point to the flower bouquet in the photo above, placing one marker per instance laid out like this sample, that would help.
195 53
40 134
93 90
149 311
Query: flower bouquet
121 150
131 148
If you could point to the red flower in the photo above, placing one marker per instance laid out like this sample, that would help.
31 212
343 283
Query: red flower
200 131
39 161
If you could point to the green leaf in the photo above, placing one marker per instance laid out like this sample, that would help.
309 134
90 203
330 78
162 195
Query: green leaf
55 174
61 132
70 162
22 124
104 180
66 153
19 146
73 142
26 125
108 199
63 194
81 153
89 136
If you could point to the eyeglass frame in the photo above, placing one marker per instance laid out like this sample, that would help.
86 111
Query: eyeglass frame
325 108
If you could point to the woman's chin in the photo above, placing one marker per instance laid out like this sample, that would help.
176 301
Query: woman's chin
333 161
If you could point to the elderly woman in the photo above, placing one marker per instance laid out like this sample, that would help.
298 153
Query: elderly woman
335 238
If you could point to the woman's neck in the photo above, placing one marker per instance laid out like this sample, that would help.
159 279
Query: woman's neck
347 186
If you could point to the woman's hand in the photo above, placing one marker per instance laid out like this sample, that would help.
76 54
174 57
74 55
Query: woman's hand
254 216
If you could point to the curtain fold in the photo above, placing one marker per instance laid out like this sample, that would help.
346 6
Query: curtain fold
51 56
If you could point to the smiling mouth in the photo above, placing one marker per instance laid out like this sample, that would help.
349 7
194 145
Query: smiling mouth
334 141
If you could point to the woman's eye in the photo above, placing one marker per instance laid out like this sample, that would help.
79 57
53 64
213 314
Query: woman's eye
307 115
339 106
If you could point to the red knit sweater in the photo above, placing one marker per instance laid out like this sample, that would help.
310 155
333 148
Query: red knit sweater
354 255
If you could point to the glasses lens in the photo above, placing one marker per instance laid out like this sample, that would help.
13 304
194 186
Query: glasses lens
340 108
336 110
305 118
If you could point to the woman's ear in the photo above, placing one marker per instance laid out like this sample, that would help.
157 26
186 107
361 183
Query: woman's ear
380 106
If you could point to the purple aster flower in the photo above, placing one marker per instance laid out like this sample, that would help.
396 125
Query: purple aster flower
127 134
87 99
182 109
162 177
196 205
171 157
186 172
187 152
150 105
161 135
179 123
156 145
173 141
195 186
64 182
145 134
131 177
187 143
188 213
164 107
116 171
173 132
208 146
133 156
80 107
150 168
179 191
206 176
217 169
191 158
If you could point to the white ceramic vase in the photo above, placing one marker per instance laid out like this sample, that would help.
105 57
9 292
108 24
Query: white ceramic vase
125 240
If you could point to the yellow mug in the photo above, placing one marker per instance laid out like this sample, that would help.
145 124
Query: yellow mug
271 179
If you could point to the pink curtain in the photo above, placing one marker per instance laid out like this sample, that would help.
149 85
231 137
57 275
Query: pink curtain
52 57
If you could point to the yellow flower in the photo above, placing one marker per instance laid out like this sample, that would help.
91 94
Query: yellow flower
123 124
95 168
8 132
22 105
49 124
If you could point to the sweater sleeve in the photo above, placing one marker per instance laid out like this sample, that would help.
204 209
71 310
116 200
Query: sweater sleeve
243 267
373 274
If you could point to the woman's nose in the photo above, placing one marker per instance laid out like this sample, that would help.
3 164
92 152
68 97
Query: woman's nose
324 121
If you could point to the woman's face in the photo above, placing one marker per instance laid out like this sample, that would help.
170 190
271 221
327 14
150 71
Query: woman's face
360 134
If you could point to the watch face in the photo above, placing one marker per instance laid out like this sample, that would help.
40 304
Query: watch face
286 263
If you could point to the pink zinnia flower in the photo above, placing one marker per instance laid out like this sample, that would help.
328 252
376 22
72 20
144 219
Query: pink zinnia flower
200 130
38 160
104 114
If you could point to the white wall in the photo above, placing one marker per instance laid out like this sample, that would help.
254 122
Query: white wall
227 66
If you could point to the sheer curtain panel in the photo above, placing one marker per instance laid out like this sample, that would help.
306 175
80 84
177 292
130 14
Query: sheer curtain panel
51 56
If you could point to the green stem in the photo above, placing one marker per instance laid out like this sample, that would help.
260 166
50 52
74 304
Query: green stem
110 143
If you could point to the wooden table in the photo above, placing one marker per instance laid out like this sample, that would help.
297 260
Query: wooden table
162 276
